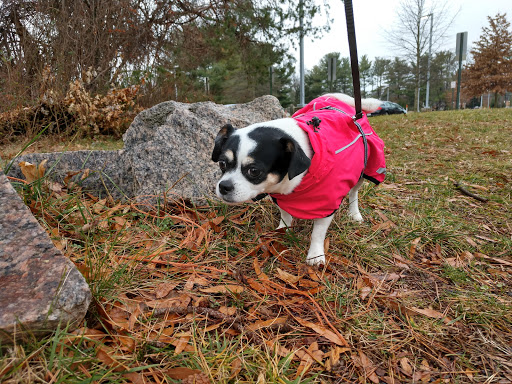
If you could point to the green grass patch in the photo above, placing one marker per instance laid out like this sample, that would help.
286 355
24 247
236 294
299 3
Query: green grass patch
420 292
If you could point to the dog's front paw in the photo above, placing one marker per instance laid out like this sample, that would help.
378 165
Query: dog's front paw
315 260
356 216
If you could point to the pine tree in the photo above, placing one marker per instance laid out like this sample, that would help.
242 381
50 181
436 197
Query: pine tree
365 70
491 70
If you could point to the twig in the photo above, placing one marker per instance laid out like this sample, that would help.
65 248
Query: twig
18 180
470 194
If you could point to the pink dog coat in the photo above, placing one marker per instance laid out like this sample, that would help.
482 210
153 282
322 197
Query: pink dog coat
344 151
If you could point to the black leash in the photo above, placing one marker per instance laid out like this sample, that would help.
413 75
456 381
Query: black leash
349 14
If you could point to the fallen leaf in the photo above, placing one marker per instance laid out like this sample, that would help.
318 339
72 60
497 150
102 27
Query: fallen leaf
333 357
406 366
181 345
262 276
461 260
69 176
365 291
383 226
414 245
307 359
179 301
279 349
181 373
195 280
31 171
495 259
432 313
103 354
163 289
236 367
308 283
425 371
267 323
368 367
325 332
471 241
228 288
287 277
134 317
260 288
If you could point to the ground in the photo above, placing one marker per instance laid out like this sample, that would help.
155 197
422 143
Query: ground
418 293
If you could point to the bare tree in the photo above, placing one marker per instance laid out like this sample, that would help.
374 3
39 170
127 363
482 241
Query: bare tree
410 35
68 39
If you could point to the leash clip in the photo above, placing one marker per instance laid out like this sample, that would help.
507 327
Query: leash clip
357 116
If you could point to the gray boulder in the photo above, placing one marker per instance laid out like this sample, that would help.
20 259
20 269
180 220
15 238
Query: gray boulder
40 287
170 144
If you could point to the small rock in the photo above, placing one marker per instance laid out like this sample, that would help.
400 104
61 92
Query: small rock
39 287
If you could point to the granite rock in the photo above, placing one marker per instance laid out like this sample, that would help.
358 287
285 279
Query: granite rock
98 172
173 154
40 287
205 116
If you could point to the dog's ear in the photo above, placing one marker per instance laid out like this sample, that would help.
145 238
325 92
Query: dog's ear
299 162
221 138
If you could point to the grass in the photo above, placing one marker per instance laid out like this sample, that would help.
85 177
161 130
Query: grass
420 292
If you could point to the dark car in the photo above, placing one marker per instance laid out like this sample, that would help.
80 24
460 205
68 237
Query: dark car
388 108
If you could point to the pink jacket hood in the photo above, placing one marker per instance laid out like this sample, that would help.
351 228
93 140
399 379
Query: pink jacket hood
338 163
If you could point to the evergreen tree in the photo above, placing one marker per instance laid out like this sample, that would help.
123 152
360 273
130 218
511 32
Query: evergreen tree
491 70
380 76
365 71
401 82
316 83
442 68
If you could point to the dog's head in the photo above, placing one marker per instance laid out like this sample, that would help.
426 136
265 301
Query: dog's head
261 158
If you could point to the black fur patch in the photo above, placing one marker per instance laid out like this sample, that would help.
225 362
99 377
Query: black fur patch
275 153
232 143
224 133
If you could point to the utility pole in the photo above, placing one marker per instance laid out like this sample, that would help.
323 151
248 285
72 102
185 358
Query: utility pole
429 58
301 32
462 38
271 77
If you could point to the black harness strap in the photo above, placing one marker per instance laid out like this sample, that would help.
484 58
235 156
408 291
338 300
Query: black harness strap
351 30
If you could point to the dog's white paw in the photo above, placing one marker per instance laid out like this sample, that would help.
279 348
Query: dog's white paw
315 260
356 217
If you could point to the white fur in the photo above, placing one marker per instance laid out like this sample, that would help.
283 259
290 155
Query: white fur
367 105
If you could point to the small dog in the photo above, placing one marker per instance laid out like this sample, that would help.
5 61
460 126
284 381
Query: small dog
307 163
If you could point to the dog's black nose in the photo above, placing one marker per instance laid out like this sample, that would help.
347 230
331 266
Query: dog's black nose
226 186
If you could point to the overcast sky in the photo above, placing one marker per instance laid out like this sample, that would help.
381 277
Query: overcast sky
373 16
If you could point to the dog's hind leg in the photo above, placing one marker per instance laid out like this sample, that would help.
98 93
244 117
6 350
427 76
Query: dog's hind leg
316 253
286 219
353 202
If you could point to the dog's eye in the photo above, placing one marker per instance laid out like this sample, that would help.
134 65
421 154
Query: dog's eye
253 172
222 165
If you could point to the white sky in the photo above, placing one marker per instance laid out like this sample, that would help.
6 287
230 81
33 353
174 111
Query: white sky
373 16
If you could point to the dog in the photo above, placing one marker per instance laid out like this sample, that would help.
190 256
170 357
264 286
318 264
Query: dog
307 163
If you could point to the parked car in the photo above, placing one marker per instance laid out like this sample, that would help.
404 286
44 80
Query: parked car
388 108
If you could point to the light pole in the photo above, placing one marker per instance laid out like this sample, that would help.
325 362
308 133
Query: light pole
428 60
301 32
